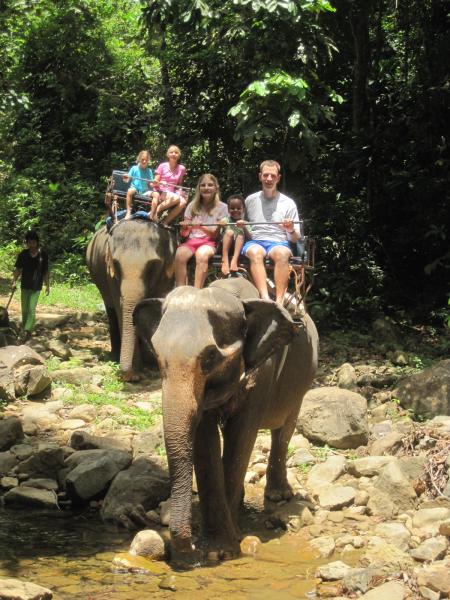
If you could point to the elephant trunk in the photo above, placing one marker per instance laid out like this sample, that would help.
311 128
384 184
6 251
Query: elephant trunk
181 415
132 291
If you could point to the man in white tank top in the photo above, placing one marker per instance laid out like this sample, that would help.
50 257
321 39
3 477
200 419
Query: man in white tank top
279 217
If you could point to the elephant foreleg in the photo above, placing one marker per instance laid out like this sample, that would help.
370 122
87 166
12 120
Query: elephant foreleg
217 519
239 439
114 333
277 486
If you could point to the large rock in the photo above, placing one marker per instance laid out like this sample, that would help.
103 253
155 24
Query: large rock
431 549
334 416
428 520
47 462
86 412
333 571
27 369
368 466
143 484
346 376
393 483
41 484
427 393
31 380
391 590
90 479
14 589
387 444
385 332
148 543
396 533
382 555
294 513
7 391
11 433
7 462
335 497
380 505
33 497
120 458
76 376
325 473
82 440
52 320
59 349
16 356
435 576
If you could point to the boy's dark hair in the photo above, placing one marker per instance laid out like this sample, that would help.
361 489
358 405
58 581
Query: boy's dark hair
236 197
32 235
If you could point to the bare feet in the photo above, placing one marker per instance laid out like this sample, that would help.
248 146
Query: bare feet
234 265
127 216
225 268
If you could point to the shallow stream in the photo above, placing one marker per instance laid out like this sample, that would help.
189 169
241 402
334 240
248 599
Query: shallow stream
72 556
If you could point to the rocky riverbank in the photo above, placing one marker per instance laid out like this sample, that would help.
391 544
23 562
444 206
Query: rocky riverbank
370 478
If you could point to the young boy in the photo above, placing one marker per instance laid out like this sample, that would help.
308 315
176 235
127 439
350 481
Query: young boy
234 235
32 268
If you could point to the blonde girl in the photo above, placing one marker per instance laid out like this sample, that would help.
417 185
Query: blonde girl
167 195
141 175
206 208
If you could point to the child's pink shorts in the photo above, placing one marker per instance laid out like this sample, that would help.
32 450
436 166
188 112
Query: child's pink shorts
195 243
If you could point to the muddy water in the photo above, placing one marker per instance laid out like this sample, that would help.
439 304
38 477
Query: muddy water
72 555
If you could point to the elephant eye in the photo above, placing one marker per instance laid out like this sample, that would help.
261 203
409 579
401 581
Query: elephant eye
210 358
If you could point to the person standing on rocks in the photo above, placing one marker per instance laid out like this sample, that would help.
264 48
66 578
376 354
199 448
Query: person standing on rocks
32 268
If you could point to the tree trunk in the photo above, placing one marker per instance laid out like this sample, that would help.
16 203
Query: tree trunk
359 23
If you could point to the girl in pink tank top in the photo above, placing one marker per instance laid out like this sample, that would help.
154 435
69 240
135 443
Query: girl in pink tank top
167 193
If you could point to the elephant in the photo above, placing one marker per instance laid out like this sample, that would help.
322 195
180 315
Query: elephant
135 260
229 362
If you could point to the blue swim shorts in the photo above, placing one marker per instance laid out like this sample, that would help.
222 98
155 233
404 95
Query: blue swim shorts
266 245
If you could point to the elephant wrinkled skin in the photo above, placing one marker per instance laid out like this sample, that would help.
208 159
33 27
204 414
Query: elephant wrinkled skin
134 261
232 360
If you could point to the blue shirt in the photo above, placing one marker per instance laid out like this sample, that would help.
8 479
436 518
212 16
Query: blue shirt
137 175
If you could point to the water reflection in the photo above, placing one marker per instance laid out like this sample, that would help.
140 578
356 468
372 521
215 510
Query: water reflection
72 555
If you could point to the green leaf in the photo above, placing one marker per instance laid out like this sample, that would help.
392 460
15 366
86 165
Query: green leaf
259 88
294 119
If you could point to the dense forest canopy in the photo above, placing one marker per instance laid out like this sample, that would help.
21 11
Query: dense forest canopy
352 97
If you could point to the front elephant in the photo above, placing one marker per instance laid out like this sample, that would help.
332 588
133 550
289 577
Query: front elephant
226 357
135 260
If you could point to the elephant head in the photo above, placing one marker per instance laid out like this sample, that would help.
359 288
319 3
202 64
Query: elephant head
134 261
207 342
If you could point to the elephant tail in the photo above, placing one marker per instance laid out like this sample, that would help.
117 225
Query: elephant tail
109 261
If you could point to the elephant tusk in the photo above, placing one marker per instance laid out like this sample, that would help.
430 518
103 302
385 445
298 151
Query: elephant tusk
231 350
245 374
282 361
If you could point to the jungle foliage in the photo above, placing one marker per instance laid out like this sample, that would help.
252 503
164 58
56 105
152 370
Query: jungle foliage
353 98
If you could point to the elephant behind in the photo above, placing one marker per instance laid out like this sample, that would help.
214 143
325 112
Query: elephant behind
135 260
228 361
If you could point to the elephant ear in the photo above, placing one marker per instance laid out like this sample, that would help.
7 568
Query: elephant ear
269 328
146 318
